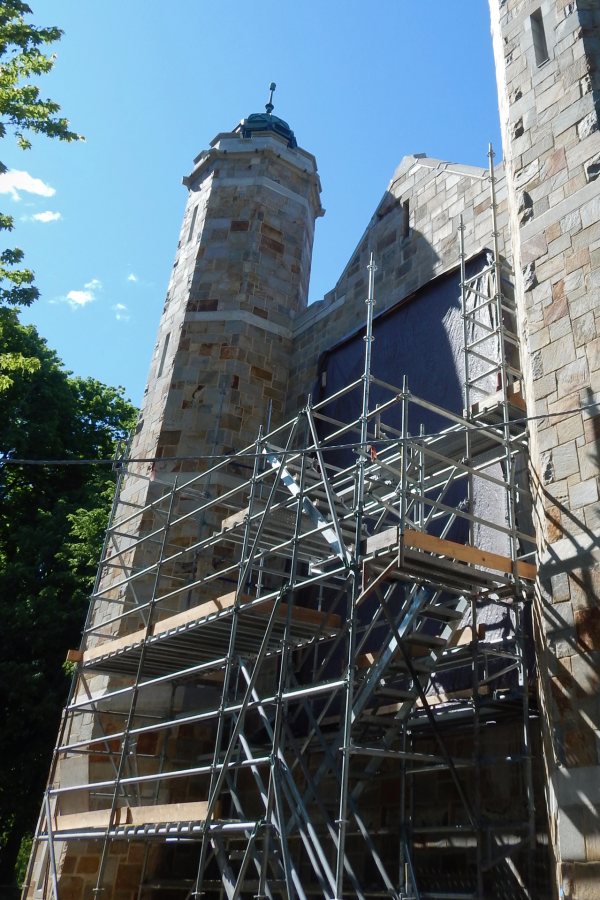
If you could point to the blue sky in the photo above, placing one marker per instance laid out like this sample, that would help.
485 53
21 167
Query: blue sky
150 84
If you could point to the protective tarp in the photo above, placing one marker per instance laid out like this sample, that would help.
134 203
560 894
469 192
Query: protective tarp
422 338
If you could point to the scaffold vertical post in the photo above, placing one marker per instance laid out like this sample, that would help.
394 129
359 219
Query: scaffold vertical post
242 576
403 470
51 855
467 374
126 739
355 587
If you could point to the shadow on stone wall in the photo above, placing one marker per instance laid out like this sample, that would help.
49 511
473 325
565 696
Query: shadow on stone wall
569 579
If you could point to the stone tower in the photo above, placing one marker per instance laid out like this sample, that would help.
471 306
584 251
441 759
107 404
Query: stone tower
239 279
546 61
219 371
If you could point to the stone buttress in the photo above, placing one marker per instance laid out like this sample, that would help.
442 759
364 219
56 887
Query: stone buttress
548 81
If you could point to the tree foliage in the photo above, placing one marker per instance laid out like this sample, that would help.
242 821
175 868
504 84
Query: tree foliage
21 49
23 113
51 517
52 520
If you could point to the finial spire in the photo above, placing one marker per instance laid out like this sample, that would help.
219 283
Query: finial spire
269 106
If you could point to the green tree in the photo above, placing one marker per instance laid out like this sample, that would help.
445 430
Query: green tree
51 523
23 113
51 518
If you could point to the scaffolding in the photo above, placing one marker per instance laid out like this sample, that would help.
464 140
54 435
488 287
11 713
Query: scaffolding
306 670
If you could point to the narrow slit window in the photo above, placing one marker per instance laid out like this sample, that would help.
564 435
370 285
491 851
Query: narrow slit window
191 231
163 355
405 219
538 33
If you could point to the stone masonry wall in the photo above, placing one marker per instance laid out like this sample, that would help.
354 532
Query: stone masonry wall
240 276
548 78
414 236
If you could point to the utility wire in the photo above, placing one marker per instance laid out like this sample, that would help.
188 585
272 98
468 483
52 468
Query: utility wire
374 442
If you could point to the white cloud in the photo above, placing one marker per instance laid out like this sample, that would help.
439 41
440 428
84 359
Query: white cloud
14 180
121 314
77 299
46 216
132 277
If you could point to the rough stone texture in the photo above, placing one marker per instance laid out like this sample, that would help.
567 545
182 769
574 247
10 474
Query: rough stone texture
240 276
555 159
409 253
220 366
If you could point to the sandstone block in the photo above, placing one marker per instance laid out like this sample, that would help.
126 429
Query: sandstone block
570 429
556 354
584 881
572 377
88 864
560 328
565 460
585 673
579 746
584 329
590 212
584 493
587 126
570 833
533 249
587 625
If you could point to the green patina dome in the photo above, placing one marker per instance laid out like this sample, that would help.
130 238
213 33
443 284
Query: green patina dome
266 122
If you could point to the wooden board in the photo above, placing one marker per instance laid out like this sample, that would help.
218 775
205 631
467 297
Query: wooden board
135 815
300 614
163 625
416 652
439 697
464 636
515 398
219 604
419 540
97 819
